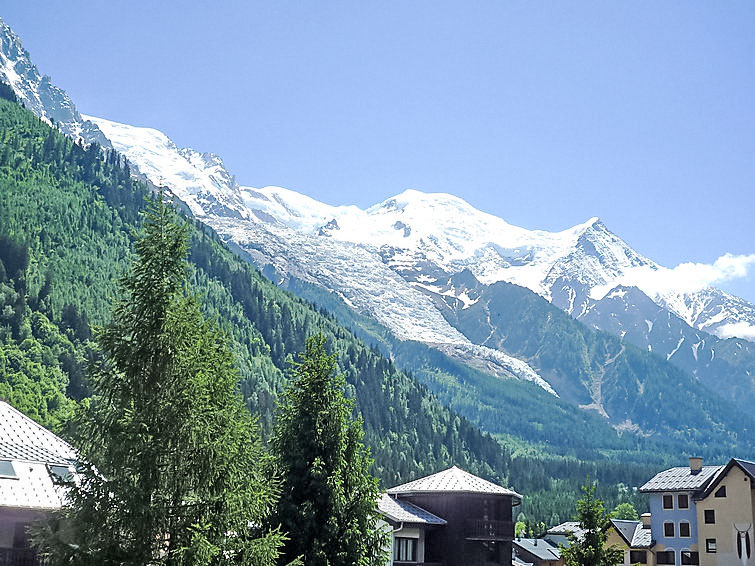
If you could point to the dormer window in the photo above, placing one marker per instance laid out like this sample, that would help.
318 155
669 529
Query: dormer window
720 492
60 473
668 501
7 470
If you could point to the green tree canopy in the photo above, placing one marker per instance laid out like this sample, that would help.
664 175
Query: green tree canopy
625 511
328 497
175 464
590 548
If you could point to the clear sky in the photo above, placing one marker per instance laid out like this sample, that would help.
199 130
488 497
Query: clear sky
641 113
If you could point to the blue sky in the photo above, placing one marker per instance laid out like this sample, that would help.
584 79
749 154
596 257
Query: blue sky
641 113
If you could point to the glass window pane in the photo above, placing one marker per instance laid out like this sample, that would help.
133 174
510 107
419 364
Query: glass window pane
6 469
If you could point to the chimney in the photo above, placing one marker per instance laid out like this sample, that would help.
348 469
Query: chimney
645 520
695 465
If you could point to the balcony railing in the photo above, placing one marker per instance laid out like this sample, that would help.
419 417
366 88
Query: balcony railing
483 529
20 557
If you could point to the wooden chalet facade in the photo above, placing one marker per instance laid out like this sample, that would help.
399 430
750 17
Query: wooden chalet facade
454 518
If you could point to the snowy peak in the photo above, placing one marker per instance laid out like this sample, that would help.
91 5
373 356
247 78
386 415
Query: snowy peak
37 92
198 179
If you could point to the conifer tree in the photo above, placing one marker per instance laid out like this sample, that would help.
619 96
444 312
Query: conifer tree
590 549
328 497
173 471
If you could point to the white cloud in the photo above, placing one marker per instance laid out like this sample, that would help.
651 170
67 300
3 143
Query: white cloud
738 330
684 278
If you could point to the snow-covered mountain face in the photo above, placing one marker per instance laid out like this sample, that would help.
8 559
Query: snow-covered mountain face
400 260
37 92
404 260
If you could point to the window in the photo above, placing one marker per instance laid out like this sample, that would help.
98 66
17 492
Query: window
720 492
668 530
683 501
404 549
690 557
638 556
684 530
60 473
665 557
710 545
6 470
710 517
668 501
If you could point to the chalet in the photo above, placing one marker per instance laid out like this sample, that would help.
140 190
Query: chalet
451 518
31 458
634 538
726 516
673 511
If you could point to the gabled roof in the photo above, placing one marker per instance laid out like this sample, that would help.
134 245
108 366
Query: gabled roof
680 479
745 465
540 548
23 439
400 511
642 537
453 480
625 529
567 527
633 533
30 448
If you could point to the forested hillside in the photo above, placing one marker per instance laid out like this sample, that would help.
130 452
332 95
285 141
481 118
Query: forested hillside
67 216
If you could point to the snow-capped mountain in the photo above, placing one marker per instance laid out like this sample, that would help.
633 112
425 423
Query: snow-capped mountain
406 260
37 92
399 260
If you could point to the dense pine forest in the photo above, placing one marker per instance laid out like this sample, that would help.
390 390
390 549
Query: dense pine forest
67 219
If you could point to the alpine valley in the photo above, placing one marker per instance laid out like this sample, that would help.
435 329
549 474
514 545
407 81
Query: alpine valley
570 348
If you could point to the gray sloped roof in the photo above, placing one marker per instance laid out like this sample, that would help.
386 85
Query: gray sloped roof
30 448
452 480
680 479
625 529
567 527
539 548
633 533
404 512
23 439
642 537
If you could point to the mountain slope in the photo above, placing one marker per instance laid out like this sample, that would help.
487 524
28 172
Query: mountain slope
37 92
71 211
400 261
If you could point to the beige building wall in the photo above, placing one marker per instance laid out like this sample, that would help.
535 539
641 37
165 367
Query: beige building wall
613 538
736 510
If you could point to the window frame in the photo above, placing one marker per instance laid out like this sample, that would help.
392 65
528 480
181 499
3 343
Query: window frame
668 552
667 524
711 546
690 554
678 501
689 529
709 513
11 476
634 559
720 492
670 497
399 550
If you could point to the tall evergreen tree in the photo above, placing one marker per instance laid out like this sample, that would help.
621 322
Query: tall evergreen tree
328 497
590 549
175 464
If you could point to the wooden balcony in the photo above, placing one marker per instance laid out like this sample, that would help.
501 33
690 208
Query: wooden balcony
483 529
20 557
